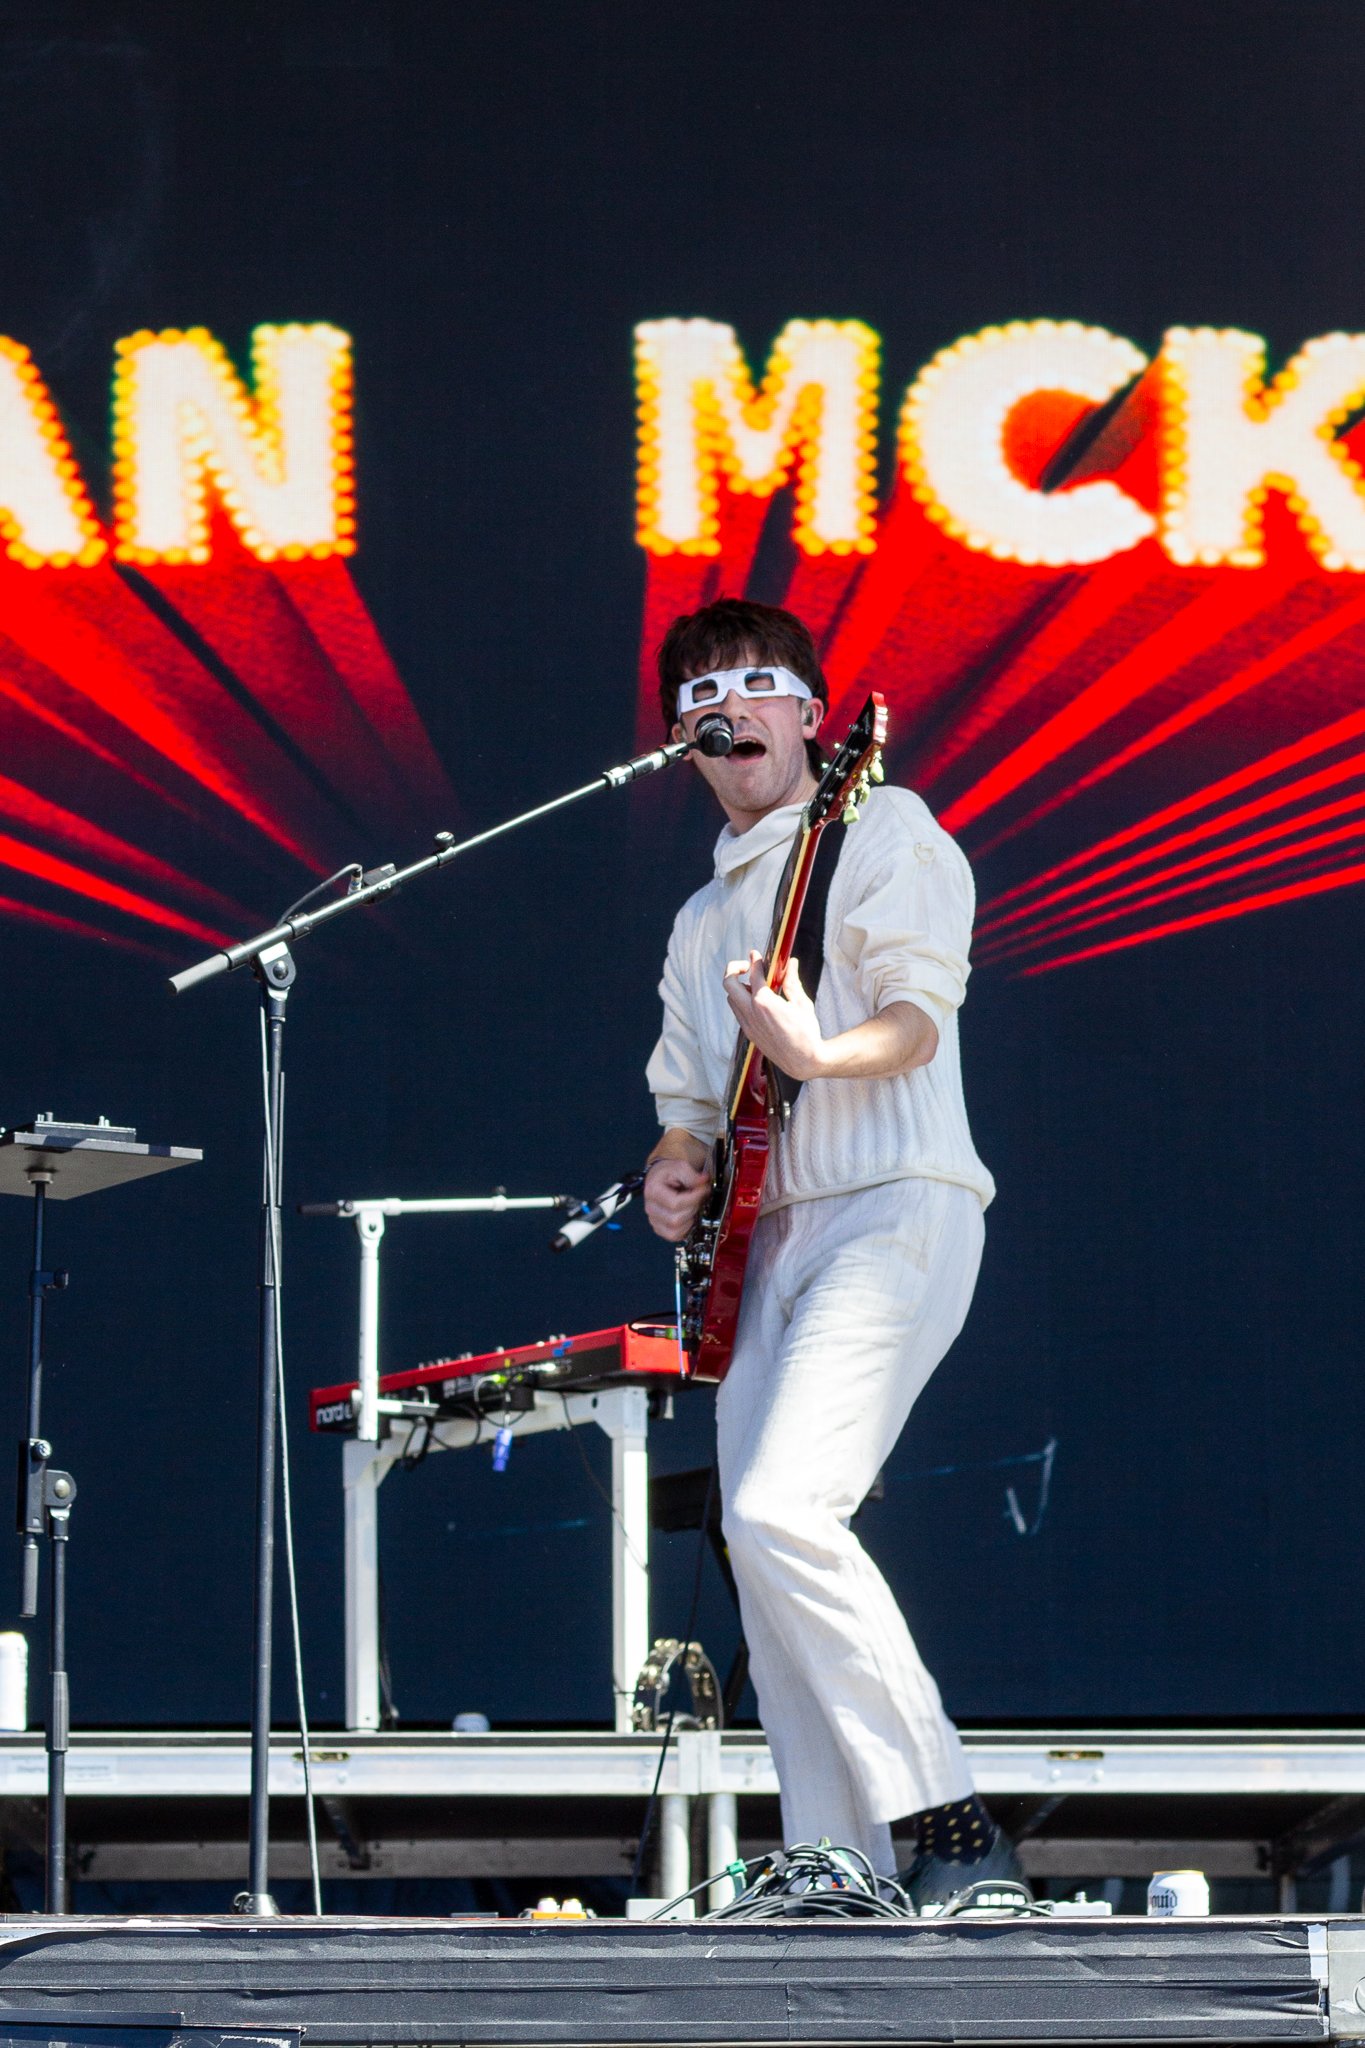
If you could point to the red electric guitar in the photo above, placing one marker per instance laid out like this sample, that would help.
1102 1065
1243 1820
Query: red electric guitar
712 1258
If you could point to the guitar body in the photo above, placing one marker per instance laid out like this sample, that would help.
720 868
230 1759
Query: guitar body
713 1257
717 1247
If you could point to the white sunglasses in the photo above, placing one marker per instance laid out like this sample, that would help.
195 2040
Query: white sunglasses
744 682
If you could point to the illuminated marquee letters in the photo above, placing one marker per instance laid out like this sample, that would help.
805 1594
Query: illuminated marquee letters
275 455
701 421
279 461
1224 440
952 445
45 515
1230 438
277 458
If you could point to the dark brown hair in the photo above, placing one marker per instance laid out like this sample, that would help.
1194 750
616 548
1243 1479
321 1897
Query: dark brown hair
729 633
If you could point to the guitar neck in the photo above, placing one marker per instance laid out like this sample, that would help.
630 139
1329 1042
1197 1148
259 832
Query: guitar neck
746 1071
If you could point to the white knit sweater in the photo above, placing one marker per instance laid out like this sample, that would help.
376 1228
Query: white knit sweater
897 929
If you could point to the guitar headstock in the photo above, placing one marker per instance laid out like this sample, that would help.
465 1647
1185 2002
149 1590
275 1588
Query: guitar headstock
855 768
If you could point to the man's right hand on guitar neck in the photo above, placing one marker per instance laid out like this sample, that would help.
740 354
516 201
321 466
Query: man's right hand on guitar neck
677 1182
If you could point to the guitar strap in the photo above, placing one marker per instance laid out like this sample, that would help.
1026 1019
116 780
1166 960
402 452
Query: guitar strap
808 948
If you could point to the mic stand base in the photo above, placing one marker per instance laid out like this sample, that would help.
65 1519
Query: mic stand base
256 1906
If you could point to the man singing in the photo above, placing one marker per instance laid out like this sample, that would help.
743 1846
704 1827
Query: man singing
866 1250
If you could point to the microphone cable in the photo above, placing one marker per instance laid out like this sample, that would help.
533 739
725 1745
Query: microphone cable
809 1881
647 1824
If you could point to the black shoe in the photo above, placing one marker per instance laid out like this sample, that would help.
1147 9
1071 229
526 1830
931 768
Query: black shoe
932 1880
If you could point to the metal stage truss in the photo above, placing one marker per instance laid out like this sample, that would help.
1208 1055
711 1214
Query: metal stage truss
1084 1804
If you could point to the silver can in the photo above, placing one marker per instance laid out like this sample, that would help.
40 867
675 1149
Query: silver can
1179 1894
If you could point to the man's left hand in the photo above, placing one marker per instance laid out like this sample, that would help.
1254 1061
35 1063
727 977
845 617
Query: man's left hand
780 1023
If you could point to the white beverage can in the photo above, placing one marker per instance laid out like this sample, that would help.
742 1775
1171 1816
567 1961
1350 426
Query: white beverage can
1179 1895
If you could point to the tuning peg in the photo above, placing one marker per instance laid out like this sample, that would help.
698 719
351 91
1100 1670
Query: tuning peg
851 812
863 791
876 768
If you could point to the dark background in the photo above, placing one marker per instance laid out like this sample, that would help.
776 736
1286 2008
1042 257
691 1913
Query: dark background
489 199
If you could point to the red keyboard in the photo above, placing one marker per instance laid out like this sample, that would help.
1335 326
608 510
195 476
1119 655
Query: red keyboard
477 1386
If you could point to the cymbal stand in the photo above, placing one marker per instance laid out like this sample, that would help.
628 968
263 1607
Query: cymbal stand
45 1501
54 1160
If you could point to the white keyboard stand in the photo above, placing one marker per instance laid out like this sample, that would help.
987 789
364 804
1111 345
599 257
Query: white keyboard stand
367 1459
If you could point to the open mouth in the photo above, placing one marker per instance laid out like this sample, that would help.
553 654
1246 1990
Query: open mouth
748 750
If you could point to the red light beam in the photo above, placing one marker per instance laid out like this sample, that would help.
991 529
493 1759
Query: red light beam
1193 630
1215 857
1342 834
1339 734
1225 821
46 867
1242 906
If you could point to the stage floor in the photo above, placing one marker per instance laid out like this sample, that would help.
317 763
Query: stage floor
204 1984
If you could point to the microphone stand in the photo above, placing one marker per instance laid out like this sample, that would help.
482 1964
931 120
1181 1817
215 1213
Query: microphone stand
383 881
272 963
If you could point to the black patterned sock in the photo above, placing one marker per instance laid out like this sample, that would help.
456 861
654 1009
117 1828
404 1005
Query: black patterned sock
958 1832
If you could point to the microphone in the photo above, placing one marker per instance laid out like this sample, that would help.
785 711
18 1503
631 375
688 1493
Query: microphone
714 735
585 1217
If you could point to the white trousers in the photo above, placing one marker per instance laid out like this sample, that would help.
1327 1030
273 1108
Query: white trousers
849 1303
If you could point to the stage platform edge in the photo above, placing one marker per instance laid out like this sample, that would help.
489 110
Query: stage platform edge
1085 1805
166 1984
